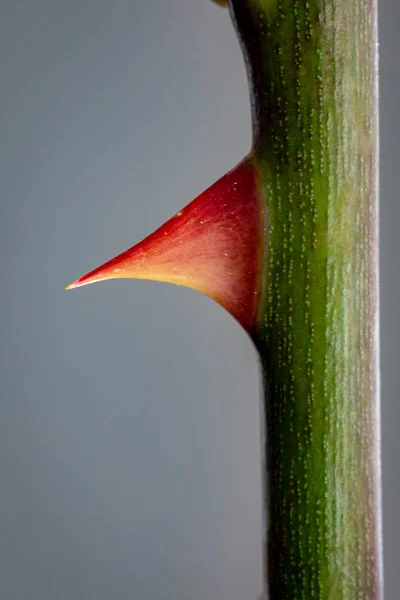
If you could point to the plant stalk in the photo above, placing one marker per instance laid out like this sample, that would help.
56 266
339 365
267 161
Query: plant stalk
312 67
287 242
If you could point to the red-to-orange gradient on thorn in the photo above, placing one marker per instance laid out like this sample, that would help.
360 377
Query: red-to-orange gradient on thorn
214 245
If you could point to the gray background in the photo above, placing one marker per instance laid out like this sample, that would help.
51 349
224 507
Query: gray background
129 457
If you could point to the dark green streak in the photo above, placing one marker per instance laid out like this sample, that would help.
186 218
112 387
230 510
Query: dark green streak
312 65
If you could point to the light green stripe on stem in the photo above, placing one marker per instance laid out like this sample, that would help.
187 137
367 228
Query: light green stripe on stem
313 67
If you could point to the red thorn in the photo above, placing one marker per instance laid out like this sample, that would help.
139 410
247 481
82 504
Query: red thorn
214 245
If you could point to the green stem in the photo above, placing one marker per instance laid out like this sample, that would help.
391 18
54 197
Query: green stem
313 67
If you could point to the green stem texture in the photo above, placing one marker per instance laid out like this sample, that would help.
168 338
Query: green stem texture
312 66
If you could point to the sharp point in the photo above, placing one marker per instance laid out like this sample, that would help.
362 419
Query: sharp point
75 284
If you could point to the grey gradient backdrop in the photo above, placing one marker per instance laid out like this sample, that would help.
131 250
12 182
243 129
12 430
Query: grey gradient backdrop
129 434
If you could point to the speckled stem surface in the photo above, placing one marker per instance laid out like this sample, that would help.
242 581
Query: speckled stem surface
312 65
